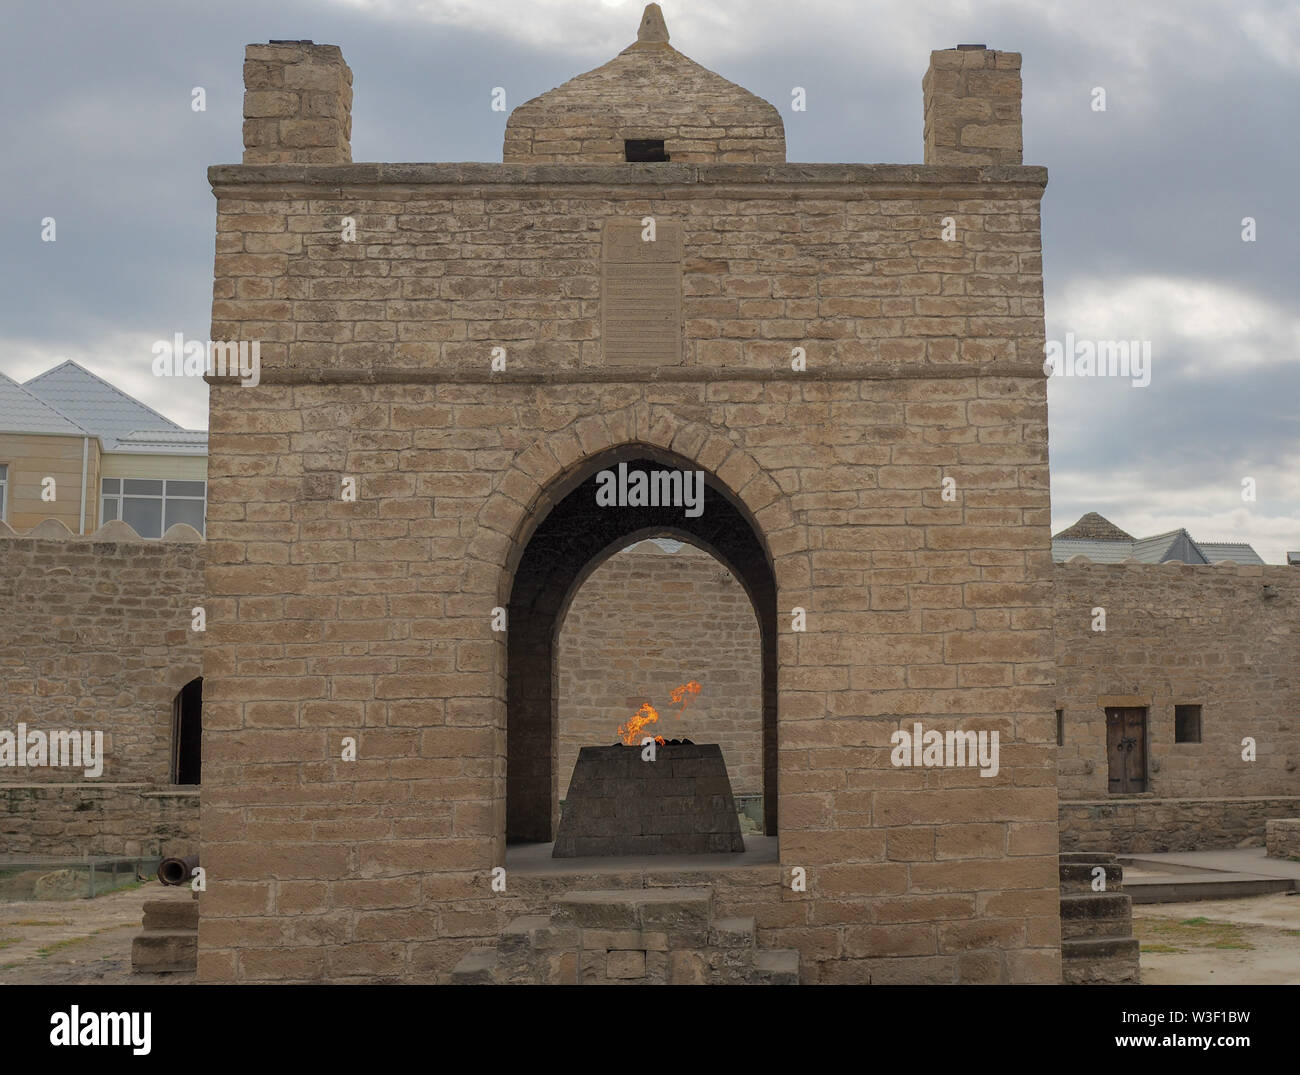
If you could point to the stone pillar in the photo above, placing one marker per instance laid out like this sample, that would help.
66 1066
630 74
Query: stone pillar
972 106
297 104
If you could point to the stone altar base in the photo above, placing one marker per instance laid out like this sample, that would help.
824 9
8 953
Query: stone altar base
680 803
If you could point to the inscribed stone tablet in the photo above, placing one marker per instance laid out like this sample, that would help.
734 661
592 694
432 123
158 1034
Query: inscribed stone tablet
641 294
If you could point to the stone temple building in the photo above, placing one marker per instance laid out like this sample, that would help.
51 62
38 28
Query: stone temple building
421 603
802 334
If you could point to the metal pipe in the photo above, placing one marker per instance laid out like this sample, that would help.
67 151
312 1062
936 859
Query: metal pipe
176 871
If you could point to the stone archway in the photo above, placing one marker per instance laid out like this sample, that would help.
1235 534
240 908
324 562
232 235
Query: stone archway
568 537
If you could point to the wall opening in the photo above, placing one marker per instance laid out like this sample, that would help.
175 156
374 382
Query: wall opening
657 615
644 150
570 538
187 733
1187 724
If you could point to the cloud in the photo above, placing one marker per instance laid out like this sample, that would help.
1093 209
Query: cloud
1209 327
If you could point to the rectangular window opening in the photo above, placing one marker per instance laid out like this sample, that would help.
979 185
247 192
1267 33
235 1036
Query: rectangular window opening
1060 727
644 149
1187 724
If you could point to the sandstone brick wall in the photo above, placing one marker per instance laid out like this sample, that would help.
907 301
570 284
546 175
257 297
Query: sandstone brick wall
92 818
644 622
453 260
1136 825
95 634
1220 636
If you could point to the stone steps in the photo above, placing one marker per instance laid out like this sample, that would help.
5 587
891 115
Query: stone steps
1097 942
659 936
165 951
1077 876
1096 914
169 941
1101 961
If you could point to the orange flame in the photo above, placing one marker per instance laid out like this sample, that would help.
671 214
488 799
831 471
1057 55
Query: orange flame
648 714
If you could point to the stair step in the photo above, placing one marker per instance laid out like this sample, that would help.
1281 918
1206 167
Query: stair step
1100 947
476 967
673 909
1099 857
1096 914
165 951
171 914
1101 961
1077 876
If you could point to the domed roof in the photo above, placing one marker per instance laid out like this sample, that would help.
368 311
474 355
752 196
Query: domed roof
649 93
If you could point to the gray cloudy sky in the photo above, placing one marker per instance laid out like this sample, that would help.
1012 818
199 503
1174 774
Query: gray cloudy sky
1141 221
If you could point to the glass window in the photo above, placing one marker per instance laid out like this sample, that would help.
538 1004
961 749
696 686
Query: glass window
4 489
144 515
189 512
142 486
178 488
150 505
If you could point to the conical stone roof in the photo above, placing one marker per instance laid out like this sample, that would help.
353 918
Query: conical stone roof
1094 527
649 91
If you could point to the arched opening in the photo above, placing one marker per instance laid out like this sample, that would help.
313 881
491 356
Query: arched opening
187 733
567 538
658 615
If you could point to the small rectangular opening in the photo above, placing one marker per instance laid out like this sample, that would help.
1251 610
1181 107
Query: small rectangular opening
1060 727
1187 724
644 149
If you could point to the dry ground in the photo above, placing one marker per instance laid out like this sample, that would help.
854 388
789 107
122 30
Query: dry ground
75 942
1254 940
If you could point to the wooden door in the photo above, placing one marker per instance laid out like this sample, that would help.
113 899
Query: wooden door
1126 749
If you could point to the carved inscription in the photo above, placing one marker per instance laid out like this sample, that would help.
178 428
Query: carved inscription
641 294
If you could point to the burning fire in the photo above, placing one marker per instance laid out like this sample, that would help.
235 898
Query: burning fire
648 714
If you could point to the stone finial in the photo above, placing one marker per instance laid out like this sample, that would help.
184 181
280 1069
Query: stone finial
653 29
297 104
972 106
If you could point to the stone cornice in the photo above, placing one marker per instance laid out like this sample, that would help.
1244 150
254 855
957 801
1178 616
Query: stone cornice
640 375
749 180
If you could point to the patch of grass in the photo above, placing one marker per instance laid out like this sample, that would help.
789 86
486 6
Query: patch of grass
1163 948
59 946
5 942
1188 933
39 922
1292 932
